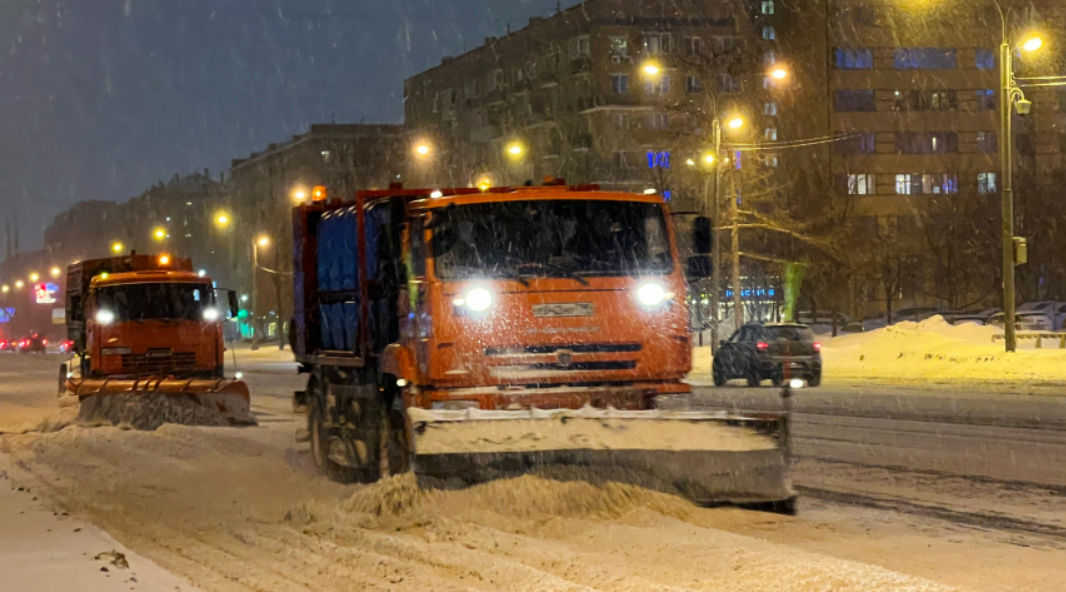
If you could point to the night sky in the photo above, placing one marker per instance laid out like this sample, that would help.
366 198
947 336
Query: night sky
101 98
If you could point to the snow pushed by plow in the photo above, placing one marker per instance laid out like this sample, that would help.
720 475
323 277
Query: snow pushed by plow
147 411
256 517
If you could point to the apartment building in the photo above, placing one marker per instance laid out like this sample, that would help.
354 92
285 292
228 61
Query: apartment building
263 187
617 92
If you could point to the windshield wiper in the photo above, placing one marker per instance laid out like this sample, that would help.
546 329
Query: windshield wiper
556 268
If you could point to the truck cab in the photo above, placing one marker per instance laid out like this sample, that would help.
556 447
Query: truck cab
145 315
154 322
545 297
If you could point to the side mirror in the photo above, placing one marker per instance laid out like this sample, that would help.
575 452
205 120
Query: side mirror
700 267
702 236
234 306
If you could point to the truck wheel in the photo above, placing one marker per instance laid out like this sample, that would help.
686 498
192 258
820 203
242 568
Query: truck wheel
397 449
320 438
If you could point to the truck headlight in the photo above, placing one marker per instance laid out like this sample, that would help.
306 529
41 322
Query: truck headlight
475 299
210 314
105 317
652 294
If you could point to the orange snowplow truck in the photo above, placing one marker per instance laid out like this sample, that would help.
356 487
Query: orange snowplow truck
148 324
463 332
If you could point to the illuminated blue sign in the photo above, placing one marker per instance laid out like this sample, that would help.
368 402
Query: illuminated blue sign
658 160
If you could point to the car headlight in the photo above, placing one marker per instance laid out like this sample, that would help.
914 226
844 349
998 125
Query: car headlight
210 314
651 294
105 317
476 300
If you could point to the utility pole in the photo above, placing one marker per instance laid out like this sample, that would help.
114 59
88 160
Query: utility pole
1006 101
738 303
255 295
716 276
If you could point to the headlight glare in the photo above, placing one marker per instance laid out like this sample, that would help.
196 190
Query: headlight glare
652 294
210 314
475 299
105 317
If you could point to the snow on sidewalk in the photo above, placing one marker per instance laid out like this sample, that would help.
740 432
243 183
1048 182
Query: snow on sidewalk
46 551
930 350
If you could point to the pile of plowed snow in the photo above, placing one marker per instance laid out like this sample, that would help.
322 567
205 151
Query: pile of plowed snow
936 349
931 349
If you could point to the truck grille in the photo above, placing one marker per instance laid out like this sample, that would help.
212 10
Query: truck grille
142 364
582 348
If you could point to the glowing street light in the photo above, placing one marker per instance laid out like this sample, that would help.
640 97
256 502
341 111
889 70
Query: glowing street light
5 289
299 194
19 284
164 259
652 69
423 149
1033 44
222 219
117 247
709 158
55 271
263 241
779 73
34 277
690 162
735 123
159 234
514 149
484 183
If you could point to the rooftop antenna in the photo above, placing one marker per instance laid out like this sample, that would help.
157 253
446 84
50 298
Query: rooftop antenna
558 6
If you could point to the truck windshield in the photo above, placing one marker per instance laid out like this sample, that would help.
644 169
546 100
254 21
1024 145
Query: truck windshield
552 238
160 301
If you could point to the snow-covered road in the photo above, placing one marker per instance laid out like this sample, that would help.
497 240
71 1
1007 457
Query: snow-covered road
242 509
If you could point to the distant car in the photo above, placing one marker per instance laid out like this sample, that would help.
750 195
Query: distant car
7 345
822 322
66 346
915 314
1024 321
961 318
759 352
33 343
1055 310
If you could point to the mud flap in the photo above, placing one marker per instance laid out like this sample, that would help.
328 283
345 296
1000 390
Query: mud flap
709 458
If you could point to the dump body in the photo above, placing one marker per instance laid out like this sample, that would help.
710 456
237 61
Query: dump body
143 324
489 303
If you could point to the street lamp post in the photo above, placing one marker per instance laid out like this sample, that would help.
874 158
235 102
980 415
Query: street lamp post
1006 101
262 241
1009 93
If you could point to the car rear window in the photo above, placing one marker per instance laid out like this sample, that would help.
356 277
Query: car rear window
803 334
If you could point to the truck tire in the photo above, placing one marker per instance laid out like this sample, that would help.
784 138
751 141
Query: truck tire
397 449
320 437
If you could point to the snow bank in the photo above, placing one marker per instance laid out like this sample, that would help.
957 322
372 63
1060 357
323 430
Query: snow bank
932 349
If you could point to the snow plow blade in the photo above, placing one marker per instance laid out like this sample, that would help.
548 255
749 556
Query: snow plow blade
707 457
205 401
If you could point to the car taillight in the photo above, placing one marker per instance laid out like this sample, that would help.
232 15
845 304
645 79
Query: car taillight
817 347
762 345
44 341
